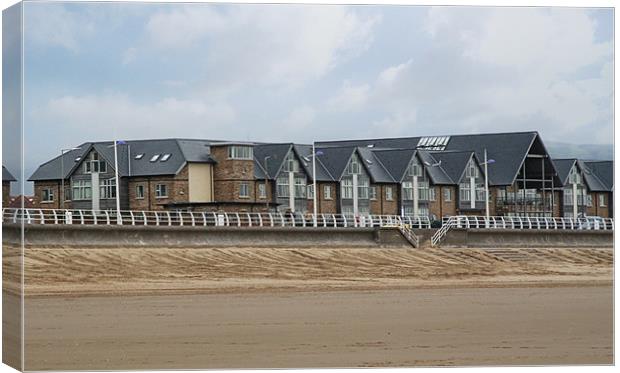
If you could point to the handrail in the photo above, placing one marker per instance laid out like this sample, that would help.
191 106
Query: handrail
199 218
518 222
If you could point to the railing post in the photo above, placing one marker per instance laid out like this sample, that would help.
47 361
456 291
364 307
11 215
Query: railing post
169 218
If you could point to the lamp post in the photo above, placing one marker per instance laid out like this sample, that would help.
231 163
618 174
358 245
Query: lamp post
486 183
314 191
62 174
428 164
117 180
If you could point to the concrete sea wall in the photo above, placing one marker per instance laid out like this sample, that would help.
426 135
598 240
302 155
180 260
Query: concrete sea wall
481 238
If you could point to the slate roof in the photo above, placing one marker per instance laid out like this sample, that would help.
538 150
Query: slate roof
377 171
598 175
305 151
395 161
276 153
6 175
436 173
454 163
181 151
507 149
605 172
335 159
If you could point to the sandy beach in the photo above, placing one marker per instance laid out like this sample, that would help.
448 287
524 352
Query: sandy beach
97 308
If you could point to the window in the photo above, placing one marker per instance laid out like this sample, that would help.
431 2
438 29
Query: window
464 192
472 169
354 166
262 191
589 200
300 187
165 157
423 193
327 191
244 190
139 156
81 190
373 192
388 193
67 194
240 152
414 169
431 194
154 158
108 188
347 188
362 189
140 191
47 195
407 190
282 187
568 196
290 163
161 191
447 194
93 164
310 192
601 200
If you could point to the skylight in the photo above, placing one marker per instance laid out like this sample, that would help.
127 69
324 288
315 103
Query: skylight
434 143
139 156
78 159
165 157
155 157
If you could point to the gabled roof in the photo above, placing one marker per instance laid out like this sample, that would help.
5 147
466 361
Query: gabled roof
395 161
276 153
594 183
181 151
6 175
335 159
563 167
507 149
377 171
454 163
305 152
434 168
604 170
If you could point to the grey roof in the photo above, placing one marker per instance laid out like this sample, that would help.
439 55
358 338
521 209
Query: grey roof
595 184
181 151
335 159
507 149
604 170
454 163
276 153
435 169
395 161
378 172
305 151
6 175
563 167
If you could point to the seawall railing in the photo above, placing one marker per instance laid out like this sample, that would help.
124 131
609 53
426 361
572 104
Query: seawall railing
206 219
518 222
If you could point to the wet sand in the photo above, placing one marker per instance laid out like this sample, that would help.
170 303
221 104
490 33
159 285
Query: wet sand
415 327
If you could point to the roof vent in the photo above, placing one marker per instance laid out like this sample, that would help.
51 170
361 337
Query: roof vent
155 158
368 161
139 156
78 159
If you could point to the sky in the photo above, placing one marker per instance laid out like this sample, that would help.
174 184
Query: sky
298 73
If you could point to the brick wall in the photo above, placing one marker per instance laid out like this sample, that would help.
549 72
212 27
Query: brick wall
177 188
441 207
228 174
326 206
6 193
597 209
55 186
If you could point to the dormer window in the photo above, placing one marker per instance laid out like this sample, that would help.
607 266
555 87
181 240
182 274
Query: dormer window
240 152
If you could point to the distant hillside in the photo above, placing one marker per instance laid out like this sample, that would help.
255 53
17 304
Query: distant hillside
582 151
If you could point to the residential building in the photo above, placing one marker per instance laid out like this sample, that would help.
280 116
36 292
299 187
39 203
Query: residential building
428 176
7 179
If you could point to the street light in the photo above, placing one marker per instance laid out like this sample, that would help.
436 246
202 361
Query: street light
62 174
314 192
486 182
428 164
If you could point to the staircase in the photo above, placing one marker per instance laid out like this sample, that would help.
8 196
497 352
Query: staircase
408 233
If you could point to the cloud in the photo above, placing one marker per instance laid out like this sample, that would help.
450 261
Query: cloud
350 97
129 56
272 45
111 115
50 25
501 69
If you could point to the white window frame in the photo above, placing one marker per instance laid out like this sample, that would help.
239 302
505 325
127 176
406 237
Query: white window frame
107 188
49 193
431 194
327 192
389 194
240 152
140 191
262 191
346 186
161 190
282 187
310 191
300 186
244 189
81 189
373 193
447 194
601 201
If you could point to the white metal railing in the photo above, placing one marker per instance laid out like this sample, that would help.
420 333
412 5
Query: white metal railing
520 222
199 218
